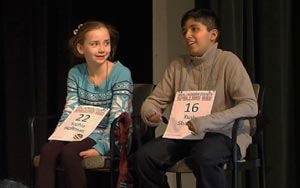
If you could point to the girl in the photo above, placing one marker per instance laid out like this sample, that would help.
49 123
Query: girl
99 81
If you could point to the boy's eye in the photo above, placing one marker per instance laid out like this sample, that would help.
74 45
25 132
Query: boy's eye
195 29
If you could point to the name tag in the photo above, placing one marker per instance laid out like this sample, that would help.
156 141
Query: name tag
188 105
81 122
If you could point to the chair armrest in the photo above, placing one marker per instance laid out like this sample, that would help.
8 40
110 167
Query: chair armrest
34 133
236 125
31 130
235 128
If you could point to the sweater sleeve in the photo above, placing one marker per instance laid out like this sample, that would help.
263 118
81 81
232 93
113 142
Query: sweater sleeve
238 87
72 99
161 96
121 102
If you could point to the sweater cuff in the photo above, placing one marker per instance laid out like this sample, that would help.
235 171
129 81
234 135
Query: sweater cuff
100 148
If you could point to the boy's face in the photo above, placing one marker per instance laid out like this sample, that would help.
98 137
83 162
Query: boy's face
197 38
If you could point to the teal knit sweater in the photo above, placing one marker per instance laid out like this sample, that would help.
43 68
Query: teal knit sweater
115 93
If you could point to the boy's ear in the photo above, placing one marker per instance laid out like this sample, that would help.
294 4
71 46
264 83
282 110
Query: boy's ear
214 33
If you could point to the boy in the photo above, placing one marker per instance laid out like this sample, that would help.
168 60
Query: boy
205 67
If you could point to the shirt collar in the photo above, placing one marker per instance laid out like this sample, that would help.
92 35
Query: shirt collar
209 54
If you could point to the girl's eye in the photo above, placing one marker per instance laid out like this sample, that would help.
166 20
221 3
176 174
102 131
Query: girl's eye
106 43
94 43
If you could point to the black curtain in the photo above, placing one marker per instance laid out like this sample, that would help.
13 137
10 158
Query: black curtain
2 114
263 34
35 60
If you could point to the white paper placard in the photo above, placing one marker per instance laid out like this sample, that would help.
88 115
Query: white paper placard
188 105
81 122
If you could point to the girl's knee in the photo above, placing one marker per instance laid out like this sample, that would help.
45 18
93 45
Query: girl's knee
48 148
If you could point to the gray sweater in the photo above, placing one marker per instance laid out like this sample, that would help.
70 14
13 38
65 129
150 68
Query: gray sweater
216 70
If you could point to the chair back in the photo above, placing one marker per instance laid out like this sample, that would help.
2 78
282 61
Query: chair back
259 94
141 132
140 93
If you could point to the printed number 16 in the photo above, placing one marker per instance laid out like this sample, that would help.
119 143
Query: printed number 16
194 107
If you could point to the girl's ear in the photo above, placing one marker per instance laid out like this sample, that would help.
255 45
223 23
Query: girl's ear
214 33
79 48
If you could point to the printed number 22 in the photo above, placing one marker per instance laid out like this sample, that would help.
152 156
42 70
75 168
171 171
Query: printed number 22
83 117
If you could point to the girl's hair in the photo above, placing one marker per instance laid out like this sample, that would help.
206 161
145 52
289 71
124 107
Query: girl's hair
205 16
80 32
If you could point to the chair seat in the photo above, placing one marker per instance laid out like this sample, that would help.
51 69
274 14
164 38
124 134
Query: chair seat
181 167
99 162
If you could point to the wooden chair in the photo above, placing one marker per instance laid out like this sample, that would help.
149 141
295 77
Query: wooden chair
254 159
39 131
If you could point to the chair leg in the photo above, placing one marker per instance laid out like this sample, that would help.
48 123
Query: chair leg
262 174
262 177
234 176
262 169
178 180
111 179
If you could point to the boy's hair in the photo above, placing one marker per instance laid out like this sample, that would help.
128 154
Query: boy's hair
205 16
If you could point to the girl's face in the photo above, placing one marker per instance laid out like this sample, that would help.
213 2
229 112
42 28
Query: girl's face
96 46
197 38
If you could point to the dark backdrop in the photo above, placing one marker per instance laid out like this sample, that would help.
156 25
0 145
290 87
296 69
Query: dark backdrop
264 35
34 61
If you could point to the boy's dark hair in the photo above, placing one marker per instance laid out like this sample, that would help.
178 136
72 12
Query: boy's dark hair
205 16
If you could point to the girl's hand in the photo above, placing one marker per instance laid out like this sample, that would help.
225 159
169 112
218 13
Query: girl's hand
89 153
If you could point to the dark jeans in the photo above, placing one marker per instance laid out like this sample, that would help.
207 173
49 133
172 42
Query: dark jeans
65 154
205 157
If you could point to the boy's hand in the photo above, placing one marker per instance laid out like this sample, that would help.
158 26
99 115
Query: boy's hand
154 117
191 127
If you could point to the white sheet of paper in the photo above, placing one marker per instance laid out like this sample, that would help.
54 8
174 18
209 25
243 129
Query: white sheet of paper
187 105
81 122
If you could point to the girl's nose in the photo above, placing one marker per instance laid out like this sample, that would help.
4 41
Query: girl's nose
101 49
